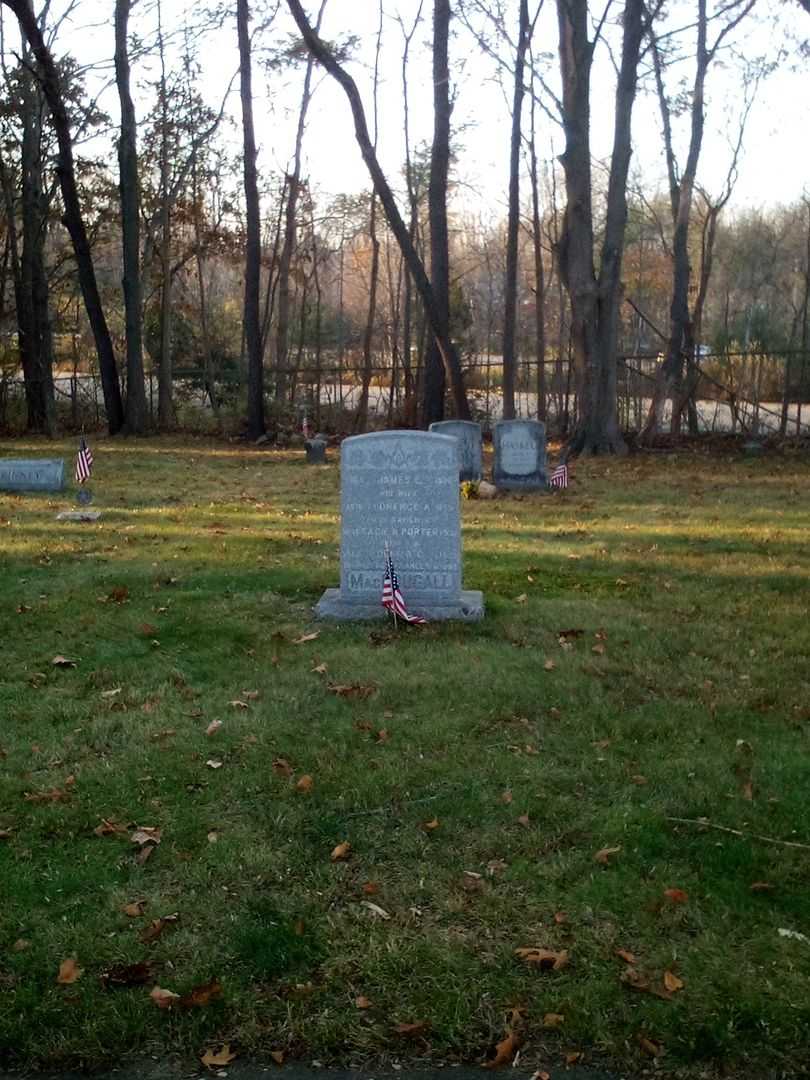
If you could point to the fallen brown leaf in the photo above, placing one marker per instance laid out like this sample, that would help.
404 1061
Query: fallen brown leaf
553 1020
305 785
164 999
69 972
214 763
417 1028
351 690
383 736
639 780
20 945
119 594
560 918
676 896
603 856
761 886
321 669
282 767
505 1052
307 637
599 649
430 826
371 888
573 1057
5 834
202 995
213 727
109 828
237 703
277 1056
672 983
135 909
63 662
341 852
506 797
634 980
362 1002
524 821
544 959
521 599
213 1060
375 909
54 795
549 665
650 1046
628 957
156 927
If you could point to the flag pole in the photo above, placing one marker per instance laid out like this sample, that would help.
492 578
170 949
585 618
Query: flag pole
388 571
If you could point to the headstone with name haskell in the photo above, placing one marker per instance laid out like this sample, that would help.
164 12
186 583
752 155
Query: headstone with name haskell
46 474
400 488
468 434
520 455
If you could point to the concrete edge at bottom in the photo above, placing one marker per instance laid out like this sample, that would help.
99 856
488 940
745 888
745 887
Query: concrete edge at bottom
469 608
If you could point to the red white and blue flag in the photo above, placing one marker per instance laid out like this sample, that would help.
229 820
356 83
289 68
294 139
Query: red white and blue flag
559 477
84 463
391 596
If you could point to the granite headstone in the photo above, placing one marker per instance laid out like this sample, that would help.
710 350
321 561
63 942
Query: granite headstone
46 474
468 434
400 488
520 455
316 451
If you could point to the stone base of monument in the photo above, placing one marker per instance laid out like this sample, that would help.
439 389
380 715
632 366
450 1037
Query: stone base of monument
468 608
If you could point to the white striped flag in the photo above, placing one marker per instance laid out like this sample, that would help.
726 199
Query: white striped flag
84 462
559 477
391 596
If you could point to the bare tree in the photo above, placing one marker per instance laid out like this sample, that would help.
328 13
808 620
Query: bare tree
252 326
415 265
135 417
73 218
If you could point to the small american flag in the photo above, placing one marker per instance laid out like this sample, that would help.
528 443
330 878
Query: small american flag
559 478
84 462
391 596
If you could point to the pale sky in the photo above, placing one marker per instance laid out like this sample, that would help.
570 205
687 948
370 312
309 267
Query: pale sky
776 161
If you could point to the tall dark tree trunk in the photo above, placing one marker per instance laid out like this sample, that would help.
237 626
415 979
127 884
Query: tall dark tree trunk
135 414
510 287
73 220
393 216
433 384
539 276
361 420
253 342
165 373
595 300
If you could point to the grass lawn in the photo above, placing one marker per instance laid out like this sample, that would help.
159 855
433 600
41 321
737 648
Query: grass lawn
475 770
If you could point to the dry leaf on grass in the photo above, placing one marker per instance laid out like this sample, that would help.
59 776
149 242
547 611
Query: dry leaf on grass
20 945
305 785
321 669
375 909
111 693
573 1057
549 665
521 599
430 826
761 886
123 975
506 797
676 896
634 980
672 983
157 926
651 1047
351 690
164 999
237 703
213 727
307 637
214 763
628 957
362 1002
604 855
543 959
410 1030
69 972
109 828
282 767
277 1056
214 1060
371 888
341 852
5 834
505 1052
524 821
202 995
63 662
553 1020
135 909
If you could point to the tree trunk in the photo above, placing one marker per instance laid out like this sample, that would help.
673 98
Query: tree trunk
393 216
361 420
135 416
510 287
165 374
253 344
539 277
433 385
73 220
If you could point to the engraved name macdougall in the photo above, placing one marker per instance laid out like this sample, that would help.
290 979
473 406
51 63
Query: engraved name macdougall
363 580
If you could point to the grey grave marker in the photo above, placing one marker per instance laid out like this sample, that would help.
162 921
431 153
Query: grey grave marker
520 455
468 434
400 488
47 474
316 451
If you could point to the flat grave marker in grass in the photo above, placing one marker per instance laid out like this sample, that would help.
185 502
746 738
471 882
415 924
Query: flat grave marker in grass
400 488
520 455
20 474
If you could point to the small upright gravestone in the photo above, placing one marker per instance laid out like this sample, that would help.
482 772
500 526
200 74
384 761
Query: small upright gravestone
400 488
47 474
520 455
316 451
468 434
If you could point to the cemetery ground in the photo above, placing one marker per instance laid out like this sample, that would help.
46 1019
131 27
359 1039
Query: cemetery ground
333 842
